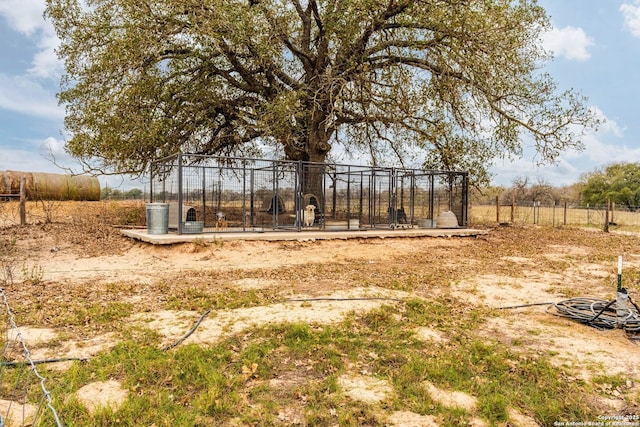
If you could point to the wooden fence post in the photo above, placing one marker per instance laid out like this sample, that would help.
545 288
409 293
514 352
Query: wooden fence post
565 213
606 216
23 202
513 208
498 209
613 210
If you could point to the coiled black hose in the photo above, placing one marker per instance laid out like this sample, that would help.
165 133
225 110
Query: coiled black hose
598 313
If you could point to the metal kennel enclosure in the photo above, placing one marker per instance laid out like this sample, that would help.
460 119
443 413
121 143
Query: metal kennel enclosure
222 194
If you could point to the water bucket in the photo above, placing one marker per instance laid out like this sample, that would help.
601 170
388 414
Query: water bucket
157 218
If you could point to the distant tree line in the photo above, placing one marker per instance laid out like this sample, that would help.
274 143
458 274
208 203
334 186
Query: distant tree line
617 183
108 193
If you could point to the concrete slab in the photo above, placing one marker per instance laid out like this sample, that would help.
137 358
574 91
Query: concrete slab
305 235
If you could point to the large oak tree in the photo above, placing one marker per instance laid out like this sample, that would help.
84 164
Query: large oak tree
457 82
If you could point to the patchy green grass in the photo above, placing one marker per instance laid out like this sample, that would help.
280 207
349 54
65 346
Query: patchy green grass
265 375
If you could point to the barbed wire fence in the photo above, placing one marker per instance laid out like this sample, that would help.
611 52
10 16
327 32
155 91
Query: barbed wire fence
24 399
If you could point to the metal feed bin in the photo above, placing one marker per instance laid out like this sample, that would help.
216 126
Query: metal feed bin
157 218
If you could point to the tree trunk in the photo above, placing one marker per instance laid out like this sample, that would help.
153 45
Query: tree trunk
313 182
311 147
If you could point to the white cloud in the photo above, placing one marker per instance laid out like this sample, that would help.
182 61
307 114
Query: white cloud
26 17
564 172
53 149
29 156
46 63
601 151
601 148
631 14
568 42
598 144
23 95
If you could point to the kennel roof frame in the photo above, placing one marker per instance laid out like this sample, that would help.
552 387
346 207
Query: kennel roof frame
171 175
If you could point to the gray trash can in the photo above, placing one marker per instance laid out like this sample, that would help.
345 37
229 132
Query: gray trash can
157 218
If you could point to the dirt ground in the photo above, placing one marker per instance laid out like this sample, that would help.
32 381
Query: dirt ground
58 263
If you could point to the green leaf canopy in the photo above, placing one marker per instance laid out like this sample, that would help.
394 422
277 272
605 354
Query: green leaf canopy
455 83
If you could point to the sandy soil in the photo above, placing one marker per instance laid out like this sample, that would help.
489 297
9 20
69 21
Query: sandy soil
484 272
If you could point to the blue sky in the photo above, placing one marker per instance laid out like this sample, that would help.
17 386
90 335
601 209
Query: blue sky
597 53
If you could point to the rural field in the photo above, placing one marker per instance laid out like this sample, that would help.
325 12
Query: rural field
363 332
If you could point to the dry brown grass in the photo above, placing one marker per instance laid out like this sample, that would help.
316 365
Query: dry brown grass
97 285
